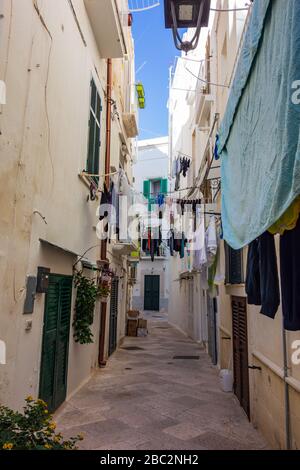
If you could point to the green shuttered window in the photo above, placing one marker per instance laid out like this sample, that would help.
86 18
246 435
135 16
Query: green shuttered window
94 141
154 187
54 361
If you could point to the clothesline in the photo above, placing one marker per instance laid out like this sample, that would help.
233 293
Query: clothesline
171 192
95 175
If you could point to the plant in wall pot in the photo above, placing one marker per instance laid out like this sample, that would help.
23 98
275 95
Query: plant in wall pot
104 292
87 293
106 275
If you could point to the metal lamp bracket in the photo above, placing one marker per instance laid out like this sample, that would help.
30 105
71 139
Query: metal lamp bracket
181 45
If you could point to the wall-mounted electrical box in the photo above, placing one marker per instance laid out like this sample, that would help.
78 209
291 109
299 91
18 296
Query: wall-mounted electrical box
43 277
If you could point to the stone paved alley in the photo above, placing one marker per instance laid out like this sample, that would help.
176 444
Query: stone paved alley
145 399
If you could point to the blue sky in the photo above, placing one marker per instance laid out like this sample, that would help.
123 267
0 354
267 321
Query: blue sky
153 45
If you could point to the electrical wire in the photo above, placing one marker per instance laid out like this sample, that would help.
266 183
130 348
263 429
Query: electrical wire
230 9
205 81
82 256
172 192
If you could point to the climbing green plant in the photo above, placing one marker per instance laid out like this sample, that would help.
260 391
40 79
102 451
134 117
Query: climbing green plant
87 293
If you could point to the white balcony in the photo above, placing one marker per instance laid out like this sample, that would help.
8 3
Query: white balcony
107 26
124 248
203 107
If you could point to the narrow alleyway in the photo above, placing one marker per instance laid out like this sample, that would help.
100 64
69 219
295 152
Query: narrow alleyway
148 399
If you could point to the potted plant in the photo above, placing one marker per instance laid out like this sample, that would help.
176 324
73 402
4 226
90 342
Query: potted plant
104 293
105 277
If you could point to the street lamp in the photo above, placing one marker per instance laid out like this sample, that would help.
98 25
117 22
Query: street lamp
186 14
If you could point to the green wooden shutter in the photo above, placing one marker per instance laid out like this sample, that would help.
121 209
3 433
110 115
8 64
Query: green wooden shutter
94 140
146 190
234 265
54 361
47 380
164 186
62 348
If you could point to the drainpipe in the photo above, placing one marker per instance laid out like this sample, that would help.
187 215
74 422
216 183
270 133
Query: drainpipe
101 357
286 392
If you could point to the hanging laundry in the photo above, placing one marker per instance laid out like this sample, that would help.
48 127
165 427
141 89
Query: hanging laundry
290 277
216 152
188 253
105 207
220 273
93 191
177 182
262 283
105 201
154 249
144 245
211 274
182 246
188 203
115 203
288 220
185 164
200 254
211 241
125 201
177 242
160 199
171 243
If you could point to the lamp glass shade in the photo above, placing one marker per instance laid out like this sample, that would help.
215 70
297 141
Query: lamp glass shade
185 12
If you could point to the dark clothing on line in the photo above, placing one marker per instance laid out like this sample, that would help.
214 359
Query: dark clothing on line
262 283
290 277
171 243
253 274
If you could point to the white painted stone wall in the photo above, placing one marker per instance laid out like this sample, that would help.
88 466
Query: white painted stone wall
43 148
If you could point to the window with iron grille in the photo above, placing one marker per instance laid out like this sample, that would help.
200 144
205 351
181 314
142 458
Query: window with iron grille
94 141
234 265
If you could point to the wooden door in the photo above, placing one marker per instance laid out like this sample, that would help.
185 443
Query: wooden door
55 348
240 352
152 293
